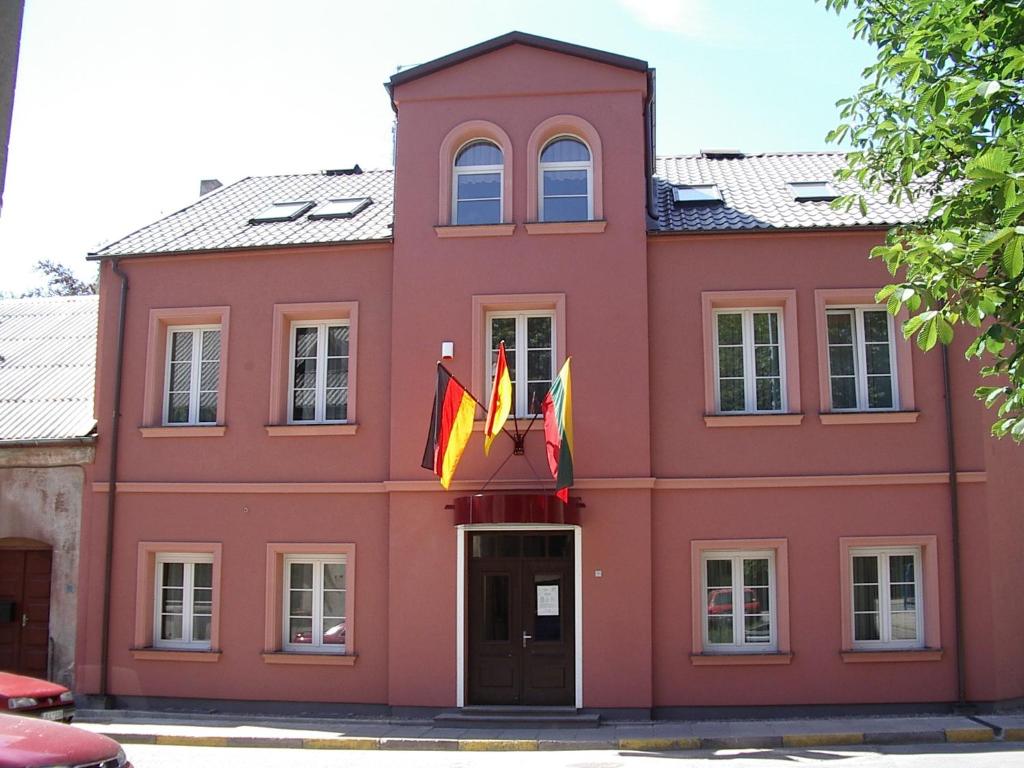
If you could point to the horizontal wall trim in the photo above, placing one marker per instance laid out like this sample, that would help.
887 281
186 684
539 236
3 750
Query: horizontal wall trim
583 484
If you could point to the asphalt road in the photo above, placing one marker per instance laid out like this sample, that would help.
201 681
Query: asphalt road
916 756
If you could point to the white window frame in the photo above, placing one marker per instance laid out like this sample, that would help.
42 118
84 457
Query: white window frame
320 406
189 560
318 562
749 376
860 357
885 640
475 170
576 165
196 371
739 645
521 382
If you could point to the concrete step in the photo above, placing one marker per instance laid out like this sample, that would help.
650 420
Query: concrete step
517 717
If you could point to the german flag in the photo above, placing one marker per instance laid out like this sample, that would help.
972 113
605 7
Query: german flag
557 410
451 425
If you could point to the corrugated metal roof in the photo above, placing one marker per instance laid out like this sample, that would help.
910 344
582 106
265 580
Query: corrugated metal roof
756 195
48 367
220 220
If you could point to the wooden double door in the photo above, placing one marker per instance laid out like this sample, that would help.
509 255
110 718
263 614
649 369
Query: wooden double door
521 614
25 610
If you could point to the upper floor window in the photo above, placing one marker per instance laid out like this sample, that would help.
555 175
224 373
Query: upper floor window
749 363
530 352
319 384
862 359
192 375
477 184
567 181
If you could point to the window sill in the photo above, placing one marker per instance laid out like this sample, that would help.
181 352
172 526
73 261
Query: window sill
913 654
321 659
475 230
306 430
739 659
188 430
754 420
565 227
171 654
870 417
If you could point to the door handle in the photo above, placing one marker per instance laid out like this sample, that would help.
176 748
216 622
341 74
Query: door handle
24 619
526 637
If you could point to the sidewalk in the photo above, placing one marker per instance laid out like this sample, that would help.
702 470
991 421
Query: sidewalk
304 733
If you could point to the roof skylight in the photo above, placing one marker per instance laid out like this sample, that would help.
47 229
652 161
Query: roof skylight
340 208
282 211
696 194
812 190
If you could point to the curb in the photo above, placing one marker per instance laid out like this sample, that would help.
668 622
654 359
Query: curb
665 744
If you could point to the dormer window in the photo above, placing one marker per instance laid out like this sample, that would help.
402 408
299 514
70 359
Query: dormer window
566 181
477 184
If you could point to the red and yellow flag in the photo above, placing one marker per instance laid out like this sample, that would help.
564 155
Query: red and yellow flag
451 425
501 400
557 410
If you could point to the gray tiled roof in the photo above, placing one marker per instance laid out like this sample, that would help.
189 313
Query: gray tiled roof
753 188
47 373
756 196
220 220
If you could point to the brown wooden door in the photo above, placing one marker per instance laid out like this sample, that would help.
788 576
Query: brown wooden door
25 610
521 618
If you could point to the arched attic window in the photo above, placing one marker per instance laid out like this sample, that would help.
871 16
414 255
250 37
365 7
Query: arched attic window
477 183
566 180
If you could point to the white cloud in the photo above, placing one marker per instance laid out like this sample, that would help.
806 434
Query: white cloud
690 19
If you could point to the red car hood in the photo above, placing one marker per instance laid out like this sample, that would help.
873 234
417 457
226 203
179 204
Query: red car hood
19 685
27 741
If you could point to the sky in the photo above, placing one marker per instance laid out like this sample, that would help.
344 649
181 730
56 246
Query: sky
123 106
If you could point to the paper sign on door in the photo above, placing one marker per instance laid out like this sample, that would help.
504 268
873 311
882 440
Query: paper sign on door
547 600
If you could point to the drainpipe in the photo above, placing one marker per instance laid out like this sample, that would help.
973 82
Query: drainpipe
954 513
112 484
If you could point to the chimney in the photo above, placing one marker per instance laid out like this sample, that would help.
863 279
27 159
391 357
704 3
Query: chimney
208 185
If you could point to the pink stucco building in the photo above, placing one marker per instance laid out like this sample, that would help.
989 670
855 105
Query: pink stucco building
773 507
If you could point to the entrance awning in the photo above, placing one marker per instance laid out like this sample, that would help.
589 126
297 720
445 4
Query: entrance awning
535 508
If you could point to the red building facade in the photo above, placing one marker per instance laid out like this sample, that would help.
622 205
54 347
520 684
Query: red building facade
762 512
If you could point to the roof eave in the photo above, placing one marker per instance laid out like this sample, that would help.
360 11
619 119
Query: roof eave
100 256
769 230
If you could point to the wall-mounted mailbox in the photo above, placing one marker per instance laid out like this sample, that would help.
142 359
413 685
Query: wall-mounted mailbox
7 610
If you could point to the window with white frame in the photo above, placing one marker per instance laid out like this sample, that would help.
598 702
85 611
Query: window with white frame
183 604
749 361
886 600
566 181
738 601
530 352
862 359
478 175
314 603
192 375
318 388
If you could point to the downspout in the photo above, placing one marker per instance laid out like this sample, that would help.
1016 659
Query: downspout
112 483
954 513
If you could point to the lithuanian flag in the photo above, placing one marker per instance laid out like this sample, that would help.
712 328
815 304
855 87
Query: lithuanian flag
501 400
557 410
451 425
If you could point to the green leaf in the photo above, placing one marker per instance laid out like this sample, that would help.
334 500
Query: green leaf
945 331
928 335
989 89
1013 257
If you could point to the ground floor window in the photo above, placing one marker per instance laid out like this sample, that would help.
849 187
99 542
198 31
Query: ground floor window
314 603
886 597
739 601
184 601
